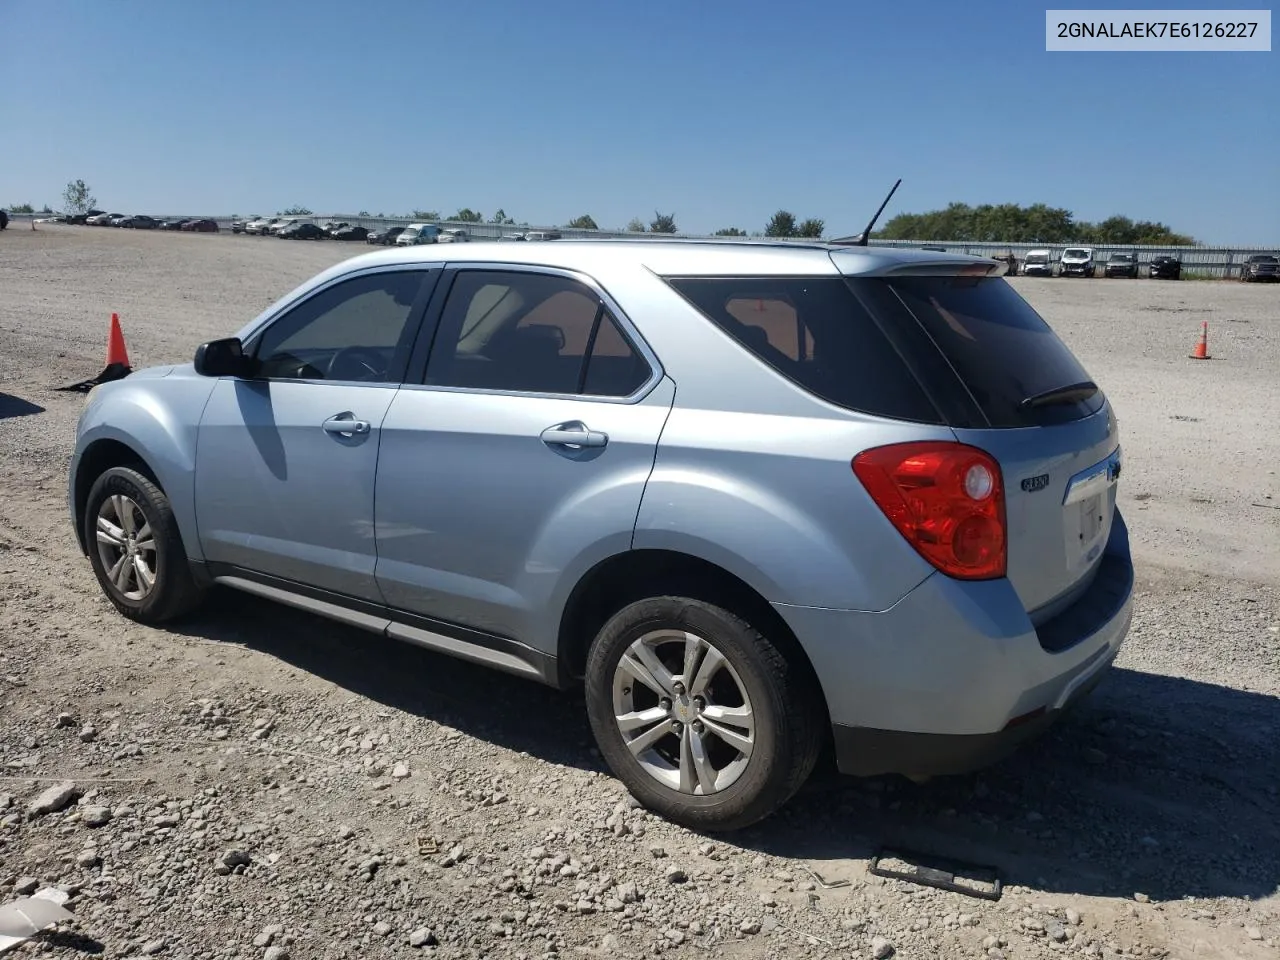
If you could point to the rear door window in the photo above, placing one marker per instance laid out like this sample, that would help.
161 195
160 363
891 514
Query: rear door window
816 333
1001 349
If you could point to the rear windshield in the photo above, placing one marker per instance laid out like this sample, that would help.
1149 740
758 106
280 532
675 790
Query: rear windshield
1001 349
966 351
816 333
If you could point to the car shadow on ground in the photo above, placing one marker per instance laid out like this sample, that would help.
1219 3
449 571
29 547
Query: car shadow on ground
1155 784
11 406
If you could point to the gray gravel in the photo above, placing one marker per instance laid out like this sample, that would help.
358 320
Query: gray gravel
255 783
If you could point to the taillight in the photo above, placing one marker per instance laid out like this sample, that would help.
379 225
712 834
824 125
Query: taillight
946 498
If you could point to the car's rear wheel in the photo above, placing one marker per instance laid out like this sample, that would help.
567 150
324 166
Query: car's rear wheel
704 720
135 548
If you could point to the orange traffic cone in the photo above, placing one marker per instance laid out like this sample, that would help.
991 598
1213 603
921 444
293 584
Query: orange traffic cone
116 352
1201 352
117 367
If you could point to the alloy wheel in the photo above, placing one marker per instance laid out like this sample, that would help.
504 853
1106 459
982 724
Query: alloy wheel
683 712
126 547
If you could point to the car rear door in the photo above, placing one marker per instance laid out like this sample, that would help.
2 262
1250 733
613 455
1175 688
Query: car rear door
519 457
1012 388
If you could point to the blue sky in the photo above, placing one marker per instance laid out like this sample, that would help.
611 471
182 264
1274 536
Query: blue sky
722 111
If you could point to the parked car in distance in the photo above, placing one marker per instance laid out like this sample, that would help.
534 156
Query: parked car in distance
117 219
302 230
542 235
1037 264
1121 265
1077 262
200 226
1165 268
83 218
101 219
1261 268
280 224
453 235
238 225
934 247
914 556
260 226
384 238
140 222
512 236
351 233
1009 260
174 224
416 234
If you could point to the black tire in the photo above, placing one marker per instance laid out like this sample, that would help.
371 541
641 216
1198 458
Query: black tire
785 704
174 591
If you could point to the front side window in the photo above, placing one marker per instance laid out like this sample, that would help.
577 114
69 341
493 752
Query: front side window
531 333
357 330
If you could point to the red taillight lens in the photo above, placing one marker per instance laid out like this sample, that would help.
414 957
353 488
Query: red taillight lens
946 498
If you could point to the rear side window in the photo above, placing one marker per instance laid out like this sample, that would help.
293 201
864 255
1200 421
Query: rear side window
532 333
816 333
1001 349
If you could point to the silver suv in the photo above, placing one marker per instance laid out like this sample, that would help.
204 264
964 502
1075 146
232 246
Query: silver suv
760 500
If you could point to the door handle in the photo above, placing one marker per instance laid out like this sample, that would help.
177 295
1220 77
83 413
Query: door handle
574 434
345 424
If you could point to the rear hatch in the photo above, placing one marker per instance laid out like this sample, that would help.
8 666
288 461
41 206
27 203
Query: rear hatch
1005 383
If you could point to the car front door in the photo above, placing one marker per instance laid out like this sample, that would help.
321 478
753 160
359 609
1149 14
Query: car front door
286 459
519 457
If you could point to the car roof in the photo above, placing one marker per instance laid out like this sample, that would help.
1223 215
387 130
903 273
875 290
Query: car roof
676 256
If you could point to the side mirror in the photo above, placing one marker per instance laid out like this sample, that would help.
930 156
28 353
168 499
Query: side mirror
222 358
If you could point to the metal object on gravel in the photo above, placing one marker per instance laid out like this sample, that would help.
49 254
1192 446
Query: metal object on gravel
943 873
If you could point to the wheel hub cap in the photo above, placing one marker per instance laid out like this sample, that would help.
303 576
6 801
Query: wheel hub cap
683 712
126 547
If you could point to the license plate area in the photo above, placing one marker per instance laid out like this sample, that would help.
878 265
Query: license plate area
1086 504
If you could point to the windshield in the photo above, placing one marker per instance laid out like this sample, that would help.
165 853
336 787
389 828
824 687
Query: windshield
1120 258
1037 257
1076 253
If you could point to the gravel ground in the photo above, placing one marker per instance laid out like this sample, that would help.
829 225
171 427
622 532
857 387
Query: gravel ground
257 783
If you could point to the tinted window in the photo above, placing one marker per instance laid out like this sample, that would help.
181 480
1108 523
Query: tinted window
815 332
355 330
999 346
532 333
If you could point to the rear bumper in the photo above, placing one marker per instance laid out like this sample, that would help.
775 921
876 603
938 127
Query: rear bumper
955 676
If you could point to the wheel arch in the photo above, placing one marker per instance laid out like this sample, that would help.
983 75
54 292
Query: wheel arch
636 574
98 457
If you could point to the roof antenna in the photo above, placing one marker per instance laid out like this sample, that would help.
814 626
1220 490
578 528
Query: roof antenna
860 240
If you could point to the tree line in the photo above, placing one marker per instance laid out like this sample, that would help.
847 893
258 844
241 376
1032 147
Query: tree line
957 222
1038 223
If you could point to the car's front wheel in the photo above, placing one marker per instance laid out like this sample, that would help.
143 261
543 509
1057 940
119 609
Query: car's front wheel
135 548
704 720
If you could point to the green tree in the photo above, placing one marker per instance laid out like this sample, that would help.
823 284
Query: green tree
295 212
583 222
423 215
781 224
730 232
635 226
77 199
663 223
467 215
1012 223
501 217
811 228
22 208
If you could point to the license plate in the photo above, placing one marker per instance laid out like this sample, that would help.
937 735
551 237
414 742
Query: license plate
1085 523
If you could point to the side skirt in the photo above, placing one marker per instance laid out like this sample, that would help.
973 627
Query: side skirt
455 640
